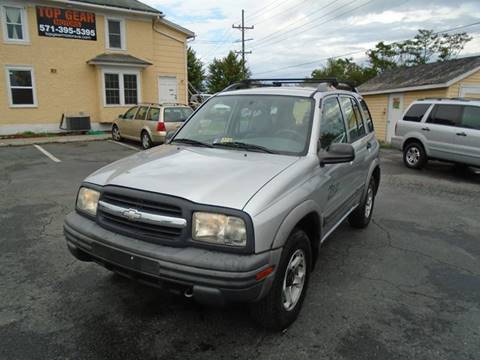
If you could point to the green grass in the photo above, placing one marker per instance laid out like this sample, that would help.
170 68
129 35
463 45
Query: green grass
384 145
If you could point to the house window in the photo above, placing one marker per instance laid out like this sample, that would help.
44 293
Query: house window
15 24
121 88
21 87
115 34
130 88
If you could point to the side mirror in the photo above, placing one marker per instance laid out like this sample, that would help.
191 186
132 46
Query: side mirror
337 154
169 135
120 116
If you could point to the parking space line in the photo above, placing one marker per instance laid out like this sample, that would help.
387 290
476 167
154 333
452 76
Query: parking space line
126 145
46 153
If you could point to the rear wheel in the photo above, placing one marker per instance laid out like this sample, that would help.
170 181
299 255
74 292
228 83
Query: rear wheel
414 155
281 306
146 141
116 133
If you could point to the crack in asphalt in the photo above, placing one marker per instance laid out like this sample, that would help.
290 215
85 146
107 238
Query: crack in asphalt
418 253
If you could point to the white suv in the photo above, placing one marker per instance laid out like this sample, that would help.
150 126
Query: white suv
441 129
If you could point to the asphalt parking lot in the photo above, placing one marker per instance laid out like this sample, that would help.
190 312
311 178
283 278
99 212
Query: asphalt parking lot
407 287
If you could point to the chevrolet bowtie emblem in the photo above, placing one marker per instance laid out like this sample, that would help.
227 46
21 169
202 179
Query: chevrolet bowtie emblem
132 214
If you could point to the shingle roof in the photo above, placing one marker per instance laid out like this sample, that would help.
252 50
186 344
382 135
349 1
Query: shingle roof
433 74
120 59
124 4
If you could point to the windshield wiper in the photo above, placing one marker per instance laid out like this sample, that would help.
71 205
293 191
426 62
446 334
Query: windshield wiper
245 146
191 142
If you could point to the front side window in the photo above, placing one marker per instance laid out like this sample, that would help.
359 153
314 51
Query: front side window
20 83
130 113
447 115
471 117
14 23
115 36
176 114
332 127
121 89
269 123
416 112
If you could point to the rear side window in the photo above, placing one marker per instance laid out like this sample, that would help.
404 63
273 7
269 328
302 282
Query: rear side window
471 117
142 112
358 115
367 116
353 124
153 114
416 112
448 115
176 114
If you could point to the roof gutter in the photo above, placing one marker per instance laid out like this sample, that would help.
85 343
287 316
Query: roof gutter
110 8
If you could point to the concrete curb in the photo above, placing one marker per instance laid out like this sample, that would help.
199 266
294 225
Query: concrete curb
53 139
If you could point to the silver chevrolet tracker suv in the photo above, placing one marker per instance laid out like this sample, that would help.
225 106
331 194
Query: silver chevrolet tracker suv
235 207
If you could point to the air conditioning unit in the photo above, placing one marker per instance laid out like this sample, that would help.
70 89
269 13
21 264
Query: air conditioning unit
75 122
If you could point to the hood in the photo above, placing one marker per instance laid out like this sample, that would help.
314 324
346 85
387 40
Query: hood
216 177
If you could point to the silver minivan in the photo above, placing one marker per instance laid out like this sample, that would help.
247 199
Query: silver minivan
441 129
149 123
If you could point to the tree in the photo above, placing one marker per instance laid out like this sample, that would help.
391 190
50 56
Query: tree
451 45
344 69
226 71
196 72
423 48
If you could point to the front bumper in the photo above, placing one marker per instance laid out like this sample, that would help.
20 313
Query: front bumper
396 142
211 276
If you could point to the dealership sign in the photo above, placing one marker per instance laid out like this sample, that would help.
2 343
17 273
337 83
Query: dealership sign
70 24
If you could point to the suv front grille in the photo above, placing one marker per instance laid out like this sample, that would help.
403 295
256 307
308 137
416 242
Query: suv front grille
139 202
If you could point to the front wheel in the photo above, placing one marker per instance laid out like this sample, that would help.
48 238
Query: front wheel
414 156
146 141
116 133
360 217
281 306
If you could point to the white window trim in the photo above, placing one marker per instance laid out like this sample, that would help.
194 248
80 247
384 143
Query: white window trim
123 37
25 28
9 89
120 73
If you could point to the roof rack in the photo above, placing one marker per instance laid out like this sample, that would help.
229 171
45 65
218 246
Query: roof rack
324 84
162 104
450 98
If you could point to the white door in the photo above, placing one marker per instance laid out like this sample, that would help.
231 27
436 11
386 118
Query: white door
395 111
167 89
472 91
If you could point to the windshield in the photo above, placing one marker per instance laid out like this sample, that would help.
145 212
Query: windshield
279 124
176 114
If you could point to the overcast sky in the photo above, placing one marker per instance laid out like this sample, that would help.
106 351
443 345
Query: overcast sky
292 32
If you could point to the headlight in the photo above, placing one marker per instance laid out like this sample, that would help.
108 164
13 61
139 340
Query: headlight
87 201
219 229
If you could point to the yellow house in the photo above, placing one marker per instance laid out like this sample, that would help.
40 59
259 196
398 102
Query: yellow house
90 58
390 93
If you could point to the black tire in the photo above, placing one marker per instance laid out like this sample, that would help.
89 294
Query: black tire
270 312
414 155
116 133
360 217
145 140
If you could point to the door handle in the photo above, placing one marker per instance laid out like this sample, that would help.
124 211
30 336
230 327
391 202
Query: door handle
426 129
461 134
369 145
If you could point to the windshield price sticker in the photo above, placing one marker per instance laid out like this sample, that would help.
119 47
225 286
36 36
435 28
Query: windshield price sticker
70 24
